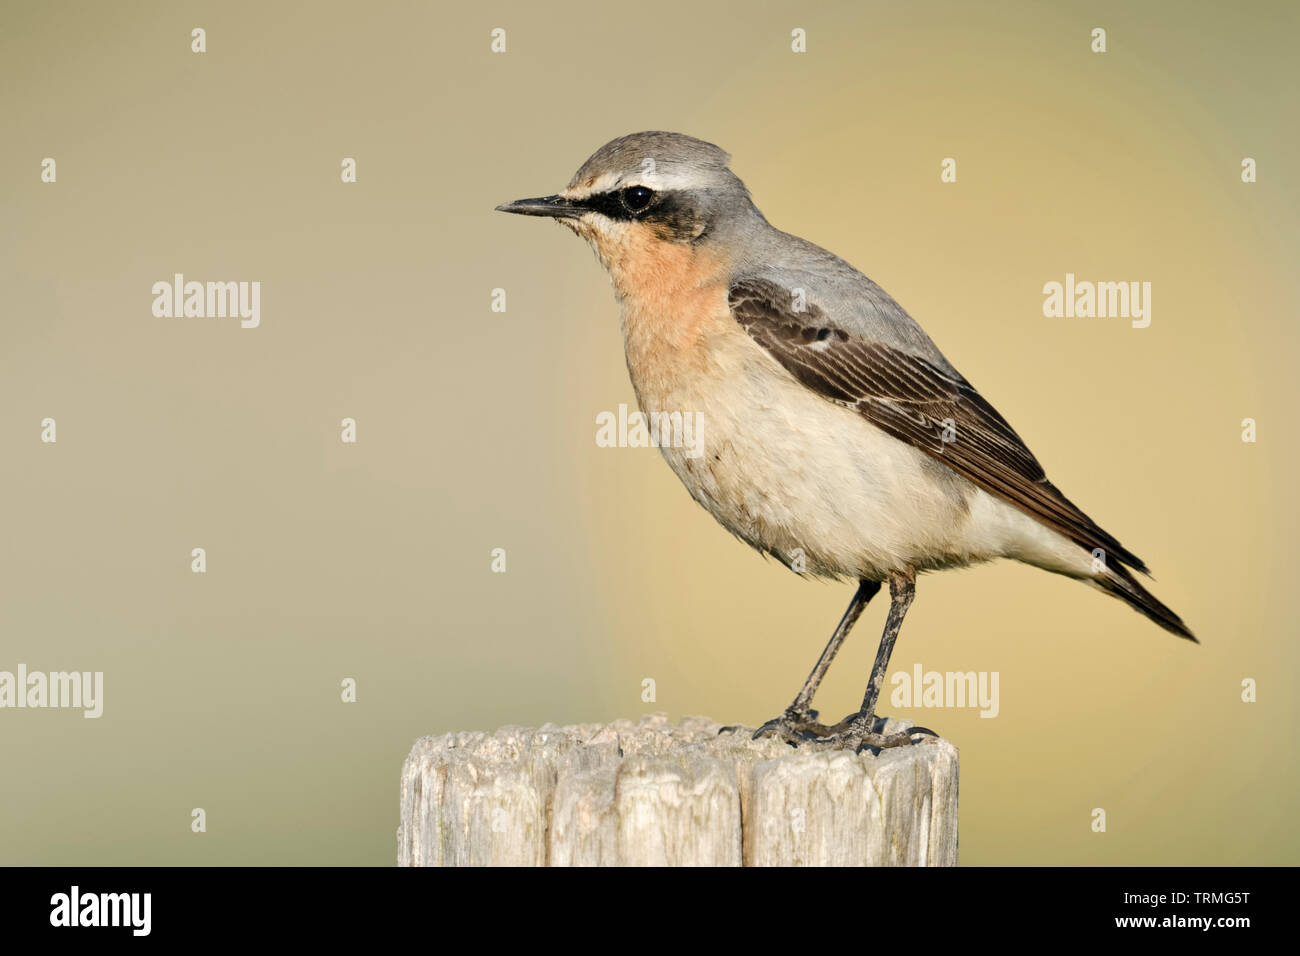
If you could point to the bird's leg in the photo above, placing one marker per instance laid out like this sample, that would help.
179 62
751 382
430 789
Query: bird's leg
799 721
860 729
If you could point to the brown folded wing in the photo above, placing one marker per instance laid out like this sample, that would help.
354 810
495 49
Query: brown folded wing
914 401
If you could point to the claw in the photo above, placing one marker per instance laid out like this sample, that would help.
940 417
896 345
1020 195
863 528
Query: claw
798 727
794 726
859 731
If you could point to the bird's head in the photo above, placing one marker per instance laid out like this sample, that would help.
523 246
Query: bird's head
650 198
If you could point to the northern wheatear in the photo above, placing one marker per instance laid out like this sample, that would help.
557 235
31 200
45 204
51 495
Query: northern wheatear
836 436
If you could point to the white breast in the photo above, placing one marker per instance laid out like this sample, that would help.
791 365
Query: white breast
814 483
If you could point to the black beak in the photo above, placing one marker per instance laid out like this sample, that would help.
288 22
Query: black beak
556 207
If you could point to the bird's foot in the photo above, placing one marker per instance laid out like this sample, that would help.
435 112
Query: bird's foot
794 726
862 730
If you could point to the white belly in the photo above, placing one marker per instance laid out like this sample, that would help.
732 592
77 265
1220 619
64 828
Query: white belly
819 487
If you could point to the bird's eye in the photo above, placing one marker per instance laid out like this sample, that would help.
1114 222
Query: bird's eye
636 198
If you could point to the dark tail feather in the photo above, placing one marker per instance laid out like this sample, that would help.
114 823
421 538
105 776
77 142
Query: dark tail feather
1117 581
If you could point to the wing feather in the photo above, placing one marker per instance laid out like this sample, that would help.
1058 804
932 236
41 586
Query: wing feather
915 401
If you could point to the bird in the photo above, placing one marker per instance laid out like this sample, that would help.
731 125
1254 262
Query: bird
832 434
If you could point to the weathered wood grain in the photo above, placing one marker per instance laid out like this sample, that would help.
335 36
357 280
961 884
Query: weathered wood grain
654 793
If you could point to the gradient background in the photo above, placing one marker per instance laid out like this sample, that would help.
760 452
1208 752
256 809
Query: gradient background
476 429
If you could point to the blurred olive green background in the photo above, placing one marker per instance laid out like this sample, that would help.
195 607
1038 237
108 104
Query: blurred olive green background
476 429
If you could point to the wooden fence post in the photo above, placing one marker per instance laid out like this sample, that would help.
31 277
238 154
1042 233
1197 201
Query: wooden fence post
654 793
